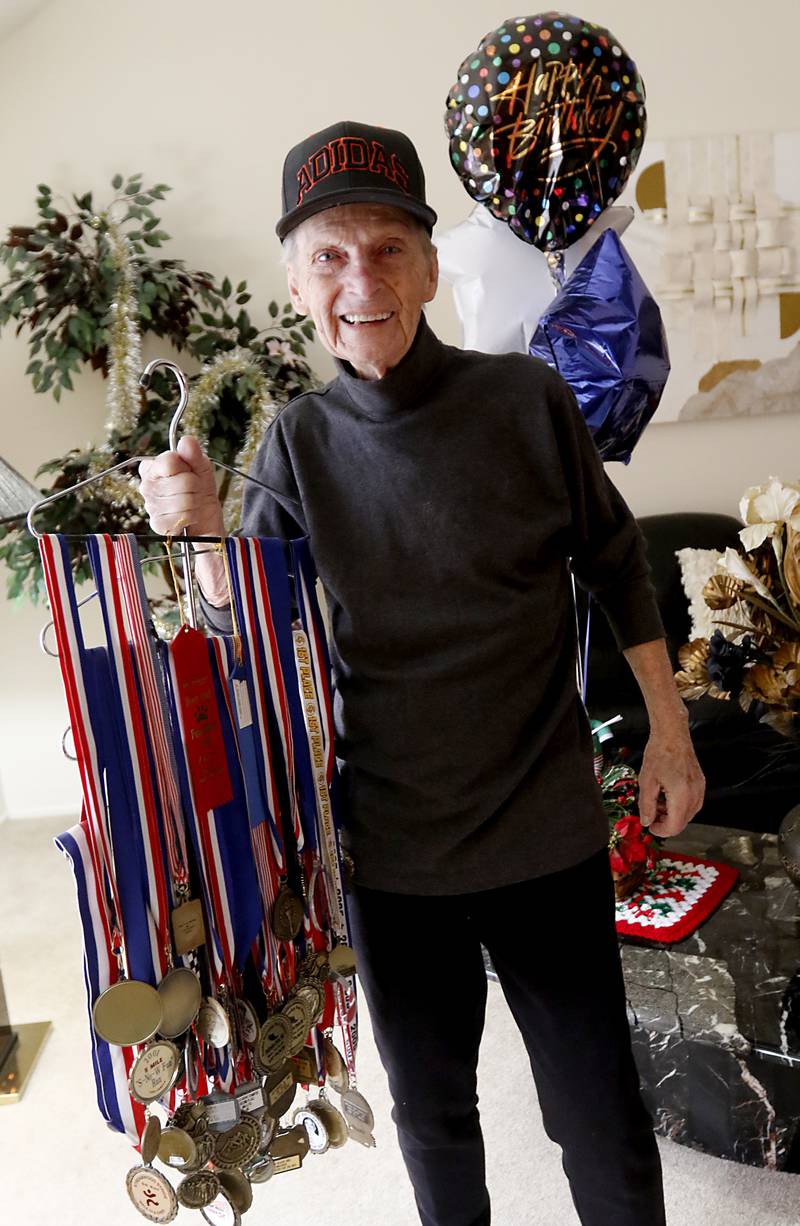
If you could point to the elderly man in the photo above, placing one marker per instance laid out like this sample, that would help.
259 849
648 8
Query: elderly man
446 495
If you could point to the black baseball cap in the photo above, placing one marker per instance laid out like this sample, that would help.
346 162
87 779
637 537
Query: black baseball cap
352 163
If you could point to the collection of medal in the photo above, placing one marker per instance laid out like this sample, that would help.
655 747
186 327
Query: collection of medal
211 882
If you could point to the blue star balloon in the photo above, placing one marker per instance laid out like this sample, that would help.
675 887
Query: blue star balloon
604 334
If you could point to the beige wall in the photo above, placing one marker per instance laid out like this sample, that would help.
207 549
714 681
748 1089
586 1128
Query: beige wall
208 97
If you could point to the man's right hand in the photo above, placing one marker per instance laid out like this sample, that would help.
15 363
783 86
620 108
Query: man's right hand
180 492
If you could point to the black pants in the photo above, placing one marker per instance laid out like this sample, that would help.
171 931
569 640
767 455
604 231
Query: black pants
553 944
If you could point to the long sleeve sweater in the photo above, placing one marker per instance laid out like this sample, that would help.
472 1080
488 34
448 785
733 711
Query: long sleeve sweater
445 504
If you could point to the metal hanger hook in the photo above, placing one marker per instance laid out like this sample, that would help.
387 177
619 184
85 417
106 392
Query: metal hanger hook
144 381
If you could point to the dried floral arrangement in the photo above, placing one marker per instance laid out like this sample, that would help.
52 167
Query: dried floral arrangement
84 286
753 658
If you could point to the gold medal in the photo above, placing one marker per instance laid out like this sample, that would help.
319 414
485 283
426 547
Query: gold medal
288 914
296 1013
342 961
151 1136
279 1090
152 1194
335 1068
128 1012
181 996
188 929
248 1021
177 1148
198 1190
313 994
239 1145
154 1071
272 1048
292 1142
212 1023
305 1066
236 1187
204 1145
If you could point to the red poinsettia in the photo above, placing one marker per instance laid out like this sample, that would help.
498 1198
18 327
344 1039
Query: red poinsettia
629 845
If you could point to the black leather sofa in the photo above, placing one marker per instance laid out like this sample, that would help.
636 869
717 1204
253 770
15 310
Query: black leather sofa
752 773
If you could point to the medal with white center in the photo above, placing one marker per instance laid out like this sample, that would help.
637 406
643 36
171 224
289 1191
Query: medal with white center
314 1124
334 1121
152 1194
154 1071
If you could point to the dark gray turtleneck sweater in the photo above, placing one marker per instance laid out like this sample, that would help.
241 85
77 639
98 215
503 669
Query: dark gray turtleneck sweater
442 503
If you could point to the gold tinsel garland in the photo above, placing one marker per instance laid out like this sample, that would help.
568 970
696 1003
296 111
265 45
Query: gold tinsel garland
204 395
123 397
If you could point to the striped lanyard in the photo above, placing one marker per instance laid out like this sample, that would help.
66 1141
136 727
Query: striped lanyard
313 672
129 690
111 1064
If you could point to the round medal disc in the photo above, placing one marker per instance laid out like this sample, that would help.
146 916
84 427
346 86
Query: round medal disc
222 1212
280 1089
335 1068
334 1122
152 1194
296 1013
248 1021
342 960
198 1190
314 996
181 995
212 1023
236 1187
128 1012
288 913
153 1072
272 1047
151 1136
357 1110
293 1140
314 1124
177 1148
204 1144
239 1145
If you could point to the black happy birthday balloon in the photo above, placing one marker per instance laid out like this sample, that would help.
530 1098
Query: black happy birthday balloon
546 123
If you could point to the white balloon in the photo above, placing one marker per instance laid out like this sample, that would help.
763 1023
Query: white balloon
501 284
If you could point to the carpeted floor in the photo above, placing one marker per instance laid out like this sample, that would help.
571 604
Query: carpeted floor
62 1165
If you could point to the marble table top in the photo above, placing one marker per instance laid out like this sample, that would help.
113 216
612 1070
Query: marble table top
736 980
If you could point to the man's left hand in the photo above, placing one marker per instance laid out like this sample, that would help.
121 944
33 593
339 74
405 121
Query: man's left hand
671 783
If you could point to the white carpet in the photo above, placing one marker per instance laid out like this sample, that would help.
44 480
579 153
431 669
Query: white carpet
62 1165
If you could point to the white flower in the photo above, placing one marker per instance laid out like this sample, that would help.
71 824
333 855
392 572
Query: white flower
735 565
765 509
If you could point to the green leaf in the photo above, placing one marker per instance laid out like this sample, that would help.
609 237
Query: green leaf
241 299
117 182
273 310
226 288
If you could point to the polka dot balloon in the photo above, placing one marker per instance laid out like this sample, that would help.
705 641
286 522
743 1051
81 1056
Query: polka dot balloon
546 122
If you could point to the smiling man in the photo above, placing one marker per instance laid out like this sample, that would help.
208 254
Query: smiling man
446 495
